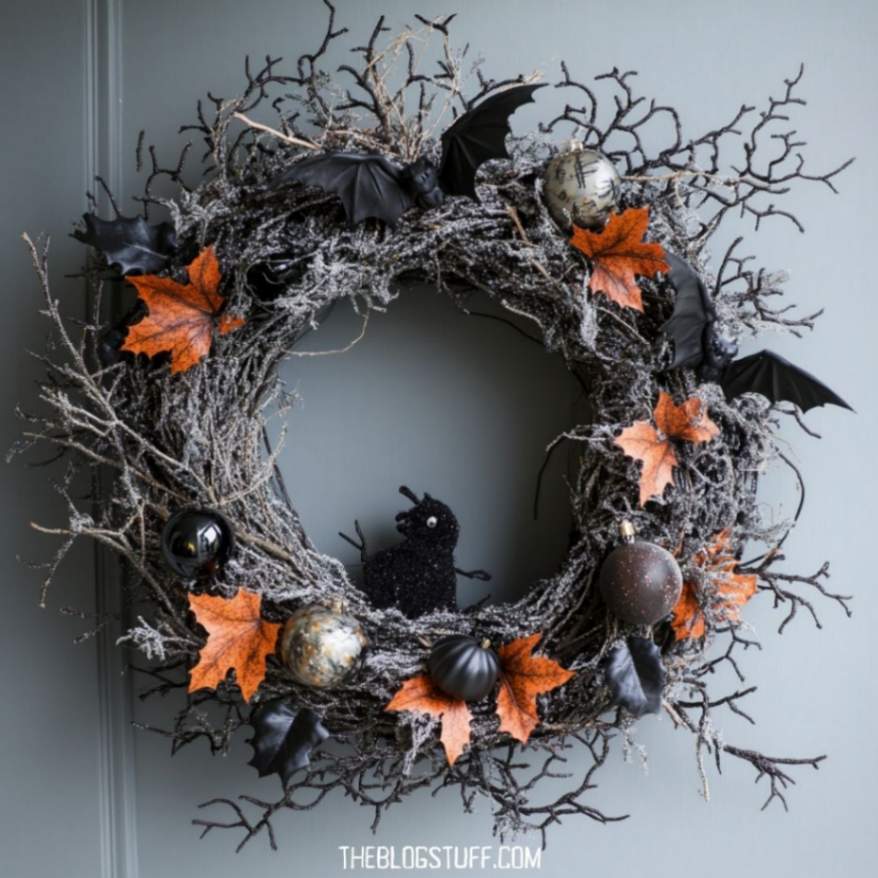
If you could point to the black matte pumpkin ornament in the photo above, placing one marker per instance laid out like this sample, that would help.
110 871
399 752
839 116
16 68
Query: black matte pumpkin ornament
640 581
196 542
464 667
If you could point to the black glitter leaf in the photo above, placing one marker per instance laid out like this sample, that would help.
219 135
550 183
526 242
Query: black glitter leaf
636 676
129 243
284 737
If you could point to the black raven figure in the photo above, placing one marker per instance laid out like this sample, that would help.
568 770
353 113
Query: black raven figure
417 575
374 186
698 345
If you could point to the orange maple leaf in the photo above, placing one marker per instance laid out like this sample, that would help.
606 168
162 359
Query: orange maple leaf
237 638
523 676
654 445
688 621
642 442
181 317
421 694
731 590
688 421
618 253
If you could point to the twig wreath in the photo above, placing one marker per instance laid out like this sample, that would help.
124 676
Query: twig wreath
363 184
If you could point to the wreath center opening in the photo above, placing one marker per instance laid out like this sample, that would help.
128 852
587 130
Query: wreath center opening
460 406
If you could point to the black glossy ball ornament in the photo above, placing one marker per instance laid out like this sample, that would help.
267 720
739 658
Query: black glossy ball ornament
464 667
640 581
196 542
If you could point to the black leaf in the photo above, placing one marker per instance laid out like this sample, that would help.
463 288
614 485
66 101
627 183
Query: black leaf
129 243
111 339
284 738
636 676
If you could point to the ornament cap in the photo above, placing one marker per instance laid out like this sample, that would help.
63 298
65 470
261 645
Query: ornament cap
626 531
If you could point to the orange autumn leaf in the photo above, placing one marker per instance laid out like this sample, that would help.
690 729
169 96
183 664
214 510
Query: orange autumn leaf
654 447
420 694
643 442
688 620
523 676
688 421
237 638
731 590
618 253
182 317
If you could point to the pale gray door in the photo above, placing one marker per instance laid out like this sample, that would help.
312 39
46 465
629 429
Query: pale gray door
81 795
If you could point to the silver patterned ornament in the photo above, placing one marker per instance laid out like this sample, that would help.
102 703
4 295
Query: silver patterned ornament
321 647
581 186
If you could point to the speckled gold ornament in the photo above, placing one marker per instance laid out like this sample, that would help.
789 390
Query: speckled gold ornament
580 186
321 647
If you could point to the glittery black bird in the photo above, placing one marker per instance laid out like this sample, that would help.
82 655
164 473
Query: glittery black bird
697 344
418 575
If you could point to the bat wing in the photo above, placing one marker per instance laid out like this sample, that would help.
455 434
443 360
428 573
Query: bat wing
692 313
479 135
777 379
368 185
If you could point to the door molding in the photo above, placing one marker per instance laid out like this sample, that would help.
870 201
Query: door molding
102 113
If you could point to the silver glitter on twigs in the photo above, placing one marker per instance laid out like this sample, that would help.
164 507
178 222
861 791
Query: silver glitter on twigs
198 438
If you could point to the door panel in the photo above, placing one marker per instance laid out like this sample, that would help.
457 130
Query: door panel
50 759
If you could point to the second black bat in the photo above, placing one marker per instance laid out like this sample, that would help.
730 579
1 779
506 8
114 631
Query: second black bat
698 345
374 186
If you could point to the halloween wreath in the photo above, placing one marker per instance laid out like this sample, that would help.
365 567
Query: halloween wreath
382 173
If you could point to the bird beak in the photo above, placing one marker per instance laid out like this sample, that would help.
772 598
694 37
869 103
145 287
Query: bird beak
402 522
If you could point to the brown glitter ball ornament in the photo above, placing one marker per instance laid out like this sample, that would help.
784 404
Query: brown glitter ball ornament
321 647
640 581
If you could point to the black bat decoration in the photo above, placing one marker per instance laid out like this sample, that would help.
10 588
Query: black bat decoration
130 243
284 736
777 379
477 136
372 186
368 185
693 311
698 345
